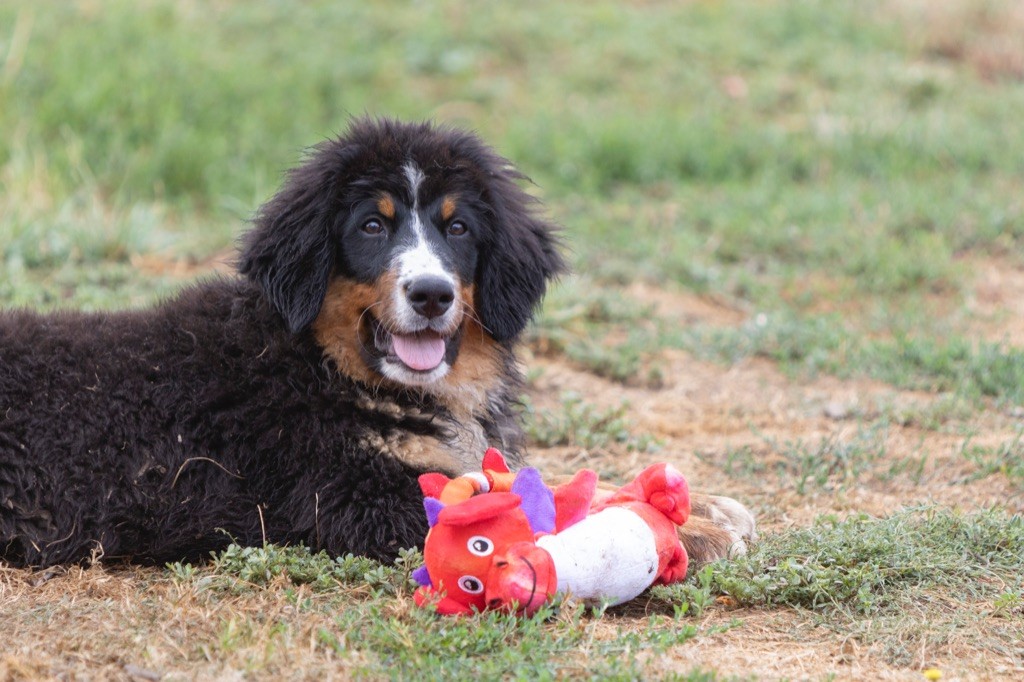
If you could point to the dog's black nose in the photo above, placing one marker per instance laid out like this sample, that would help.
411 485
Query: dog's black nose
430 296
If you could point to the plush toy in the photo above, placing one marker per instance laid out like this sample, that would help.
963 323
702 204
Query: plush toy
499 540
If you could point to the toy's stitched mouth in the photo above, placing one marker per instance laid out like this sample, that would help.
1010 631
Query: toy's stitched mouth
421 351
533 588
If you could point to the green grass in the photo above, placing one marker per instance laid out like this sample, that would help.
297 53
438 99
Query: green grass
814 344
865 577
382 639
869 566
888 580
1006 459
826 465
585 425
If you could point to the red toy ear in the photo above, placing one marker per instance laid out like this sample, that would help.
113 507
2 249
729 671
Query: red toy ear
479 508
494 461
446 606
433 484
573 499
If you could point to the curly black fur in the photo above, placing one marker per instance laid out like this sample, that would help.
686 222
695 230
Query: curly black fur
163 434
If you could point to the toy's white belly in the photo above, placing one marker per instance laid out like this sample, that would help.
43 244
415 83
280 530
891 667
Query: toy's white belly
609 556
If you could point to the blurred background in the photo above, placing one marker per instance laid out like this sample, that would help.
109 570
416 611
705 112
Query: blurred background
769 152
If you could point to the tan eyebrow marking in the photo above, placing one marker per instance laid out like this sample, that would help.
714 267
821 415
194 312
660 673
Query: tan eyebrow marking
386 206
447 207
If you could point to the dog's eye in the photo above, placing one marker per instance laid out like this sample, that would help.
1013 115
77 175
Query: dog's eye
471 584
373 226
479 545
457 228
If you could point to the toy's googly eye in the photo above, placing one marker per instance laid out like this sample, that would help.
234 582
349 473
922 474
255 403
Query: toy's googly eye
480 546
471 584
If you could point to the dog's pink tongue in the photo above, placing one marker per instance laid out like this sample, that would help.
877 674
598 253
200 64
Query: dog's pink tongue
419 351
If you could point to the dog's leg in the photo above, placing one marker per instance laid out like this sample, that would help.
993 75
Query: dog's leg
718 528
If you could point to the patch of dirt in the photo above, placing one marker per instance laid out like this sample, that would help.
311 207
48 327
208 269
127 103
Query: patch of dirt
996 302
707 414
685 307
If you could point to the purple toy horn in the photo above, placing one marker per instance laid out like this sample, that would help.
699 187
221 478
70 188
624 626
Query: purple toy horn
538 500
433 508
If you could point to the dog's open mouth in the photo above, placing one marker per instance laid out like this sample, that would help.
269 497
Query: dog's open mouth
421 351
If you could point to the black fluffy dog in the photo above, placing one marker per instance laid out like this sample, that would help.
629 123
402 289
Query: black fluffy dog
370 338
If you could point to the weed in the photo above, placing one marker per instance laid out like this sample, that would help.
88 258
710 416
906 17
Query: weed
877 565
830 464
1007 459
744 462
255 566
690 598
581 424
1008 604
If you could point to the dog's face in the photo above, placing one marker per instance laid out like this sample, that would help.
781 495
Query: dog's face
409 250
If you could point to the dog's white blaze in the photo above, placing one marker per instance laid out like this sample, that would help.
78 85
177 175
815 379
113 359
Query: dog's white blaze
418 260
415 177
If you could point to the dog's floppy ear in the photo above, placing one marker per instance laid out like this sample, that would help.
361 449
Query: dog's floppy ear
289 253
522 256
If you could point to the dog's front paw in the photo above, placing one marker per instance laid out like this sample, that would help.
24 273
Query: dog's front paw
718 528
733 517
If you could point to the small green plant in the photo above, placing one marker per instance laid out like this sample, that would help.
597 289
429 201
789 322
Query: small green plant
1008 604
691 597
831 463
299 565
1007 459
582 424
744 462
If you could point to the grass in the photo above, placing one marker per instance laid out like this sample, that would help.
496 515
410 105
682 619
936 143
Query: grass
360 622
836 463
579 423
1006 459
864 576
817 344
870 566
770 206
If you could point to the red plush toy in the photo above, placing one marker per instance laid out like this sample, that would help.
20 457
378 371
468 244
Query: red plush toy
499 540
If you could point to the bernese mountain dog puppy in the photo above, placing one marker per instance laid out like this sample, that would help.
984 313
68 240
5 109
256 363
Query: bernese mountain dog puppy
370 338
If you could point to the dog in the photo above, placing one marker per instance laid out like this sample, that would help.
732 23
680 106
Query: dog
368 337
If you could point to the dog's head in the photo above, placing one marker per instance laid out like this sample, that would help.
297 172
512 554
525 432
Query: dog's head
401 245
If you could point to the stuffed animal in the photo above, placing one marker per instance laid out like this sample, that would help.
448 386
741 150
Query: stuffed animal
499 540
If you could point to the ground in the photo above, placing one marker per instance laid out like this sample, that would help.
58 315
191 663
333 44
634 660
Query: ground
729 427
